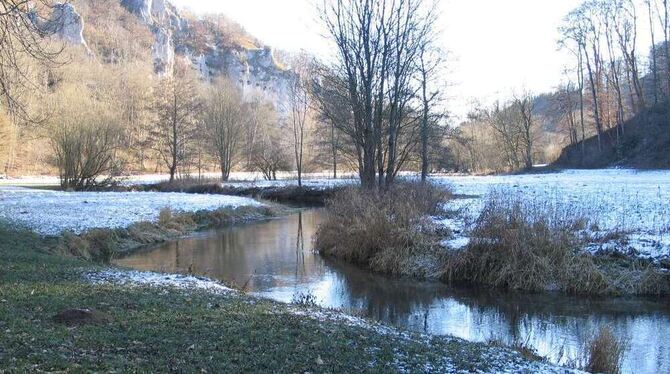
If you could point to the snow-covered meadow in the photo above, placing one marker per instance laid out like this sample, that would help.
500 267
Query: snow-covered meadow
51 212
633 203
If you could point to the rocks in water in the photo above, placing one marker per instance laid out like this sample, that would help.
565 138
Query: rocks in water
79 317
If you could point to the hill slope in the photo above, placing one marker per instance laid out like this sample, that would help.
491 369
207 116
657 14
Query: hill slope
645 144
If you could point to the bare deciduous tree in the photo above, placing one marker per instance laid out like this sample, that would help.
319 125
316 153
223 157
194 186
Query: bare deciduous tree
85 136
377 44
177 105
225 117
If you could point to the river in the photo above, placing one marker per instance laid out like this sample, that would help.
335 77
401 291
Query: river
275 259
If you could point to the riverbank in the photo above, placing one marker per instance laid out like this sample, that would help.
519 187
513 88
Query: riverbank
312 193
512 241
190 324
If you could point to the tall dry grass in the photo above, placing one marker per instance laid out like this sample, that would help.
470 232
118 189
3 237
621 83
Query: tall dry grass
605 352
388 231
527 244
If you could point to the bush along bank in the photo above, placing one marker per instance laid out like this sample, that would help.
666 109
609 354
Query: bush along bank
539 246
288 194
388 232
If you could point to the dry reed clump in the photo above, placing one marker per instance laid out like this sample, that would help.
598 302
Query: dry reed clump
538 246
526 245
384 231
605 352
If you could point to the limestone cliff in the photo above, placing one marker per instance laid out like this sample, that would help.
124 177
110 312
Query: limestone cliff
65 23
210 51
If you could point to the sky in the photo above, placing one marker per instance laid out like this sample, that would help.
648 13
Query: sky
495 47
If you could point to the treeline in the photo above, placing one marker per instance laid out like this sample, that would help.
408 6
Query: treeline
378 109
611 80
105 122
504 136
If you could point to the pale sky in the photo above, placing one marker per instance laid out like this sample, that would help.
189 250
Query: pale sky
496 46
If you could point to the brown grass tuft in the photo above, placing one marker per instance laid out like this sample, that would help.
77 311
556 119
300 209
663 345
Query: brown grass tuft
384 231
538 246
605 352
519 246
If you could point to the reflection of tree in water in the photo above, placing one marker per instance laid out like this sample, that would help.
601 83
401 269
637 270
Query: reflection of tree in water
299 248
382 298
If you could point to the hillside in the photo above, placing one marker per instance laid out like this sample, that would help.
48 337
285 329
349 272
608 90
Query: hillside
646 144
156 31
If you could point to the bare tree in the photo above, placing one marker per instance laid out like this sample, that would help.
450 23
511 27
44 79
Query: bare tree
329 97
225 117
299 105
429 70
176 107
524 106
22 47
582 26
269 153
84 136
654 59
378 43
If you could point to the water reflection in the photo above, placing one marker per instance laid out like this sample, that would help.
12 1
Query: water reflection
275 259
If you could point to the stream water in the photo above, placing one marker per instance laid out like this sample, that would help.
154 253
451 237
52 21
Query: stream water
275 259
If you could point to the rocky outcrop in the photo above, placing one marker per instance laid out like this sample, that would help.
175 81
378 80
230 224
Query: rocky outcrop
163 19
67 24
254 69
257 73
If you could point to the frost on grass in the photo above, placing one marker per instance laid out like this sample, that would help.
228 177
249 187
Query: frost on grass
630 209
159 280
51 212
485 358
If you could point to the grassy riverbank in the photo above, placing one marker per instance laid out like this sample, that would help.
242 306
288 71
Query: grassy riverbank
146 328
101 245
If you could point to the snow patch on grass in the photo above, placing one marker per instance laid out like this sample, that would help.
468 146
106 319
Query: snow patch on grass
636 203
138 278
52 212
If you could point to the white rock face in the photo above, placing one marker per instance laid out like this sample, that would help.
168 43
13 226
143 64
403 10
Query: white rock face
162 17
141 8
67 24
263 77
254 70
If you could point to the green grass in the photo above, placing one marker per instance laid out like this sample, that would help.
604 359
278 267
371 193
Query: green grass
160 330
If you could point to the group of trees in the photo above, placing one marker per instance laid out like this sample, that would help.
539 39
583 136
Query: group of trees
378 108
380 92
504 136
609 84
514 127
177 124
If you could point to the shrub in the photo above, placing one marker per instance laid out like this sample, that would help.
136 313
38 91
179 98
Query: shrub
388 232
605 353
523 245
538 245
